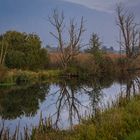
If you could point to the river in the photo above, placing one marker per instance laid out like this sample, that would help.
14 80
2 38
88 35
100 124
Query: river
63 103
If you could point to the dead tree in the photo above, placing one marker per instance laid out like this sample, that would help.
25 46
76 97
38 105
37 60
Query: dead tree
129 33
70 48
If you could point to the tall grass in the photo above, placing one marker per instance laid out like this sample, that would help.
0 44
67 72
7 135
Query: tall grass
25 77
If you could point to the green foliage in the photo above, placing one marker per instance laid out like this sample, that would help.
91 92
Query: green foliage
15 59
102 63
24 51
28 77
95 44
3 72
134 136
95 49
3 49
86 132
22 101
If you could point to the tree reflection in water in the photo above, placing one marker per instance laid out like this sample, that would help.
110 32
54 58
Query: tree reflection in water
64 102
132 85
95 94
69 99
24 101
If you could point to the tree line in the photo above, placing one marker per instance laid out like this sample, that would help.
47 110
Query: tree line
24 51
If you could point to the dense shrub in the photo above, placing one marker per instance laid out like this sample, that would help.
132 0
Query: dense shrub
15 59
3 72
106 65
24 51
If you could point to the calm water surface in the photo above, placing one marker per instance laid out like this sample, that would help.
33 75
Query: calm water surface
65 102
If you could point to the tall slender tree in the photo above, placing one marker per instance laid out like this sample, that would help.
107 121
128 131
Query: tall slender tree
94 44
129 32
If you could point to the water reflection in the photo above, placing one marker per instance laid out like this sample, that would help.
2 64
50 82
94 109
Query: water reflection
78 98
17 102
65 102
132 86
68 100
95 95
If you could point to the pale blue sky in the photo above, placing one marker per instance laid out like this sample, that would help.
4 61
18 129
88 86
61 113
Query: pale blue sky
31 16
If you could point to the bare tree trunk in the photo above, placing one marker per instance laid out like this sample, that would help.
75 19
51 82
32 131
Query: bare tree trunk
3 51
67 49
129 31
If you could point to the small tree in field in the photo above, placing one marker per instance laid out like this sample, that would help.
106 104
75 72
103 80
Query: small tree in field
129 32
67 49
95 47
94 44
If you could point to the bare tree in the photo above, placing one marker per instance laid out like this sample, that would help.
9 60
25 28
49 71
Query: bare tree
67 49
129 33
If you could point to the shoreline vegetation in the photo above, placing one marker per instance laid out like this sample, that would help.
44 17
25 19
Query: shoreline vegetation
111 67
23 77
120 120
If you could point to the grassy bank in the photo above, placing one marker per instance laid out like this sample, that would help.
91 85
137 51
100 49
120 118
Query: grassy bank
17 77
79 67
120 122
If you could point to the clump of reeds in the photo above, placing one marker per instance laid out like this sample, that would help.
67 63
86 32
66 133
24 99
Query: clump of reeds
44 126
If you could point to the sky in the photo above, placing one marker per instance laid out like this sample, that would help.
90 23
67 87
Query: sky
31 16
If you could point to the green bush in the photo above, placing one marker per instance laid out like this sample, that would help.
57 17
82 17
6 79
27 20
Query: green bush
134 136
15 59
24 51
3 72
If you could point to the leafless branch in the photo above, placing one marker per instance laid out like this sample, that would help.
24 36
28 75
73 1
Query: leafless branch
129 31
67 50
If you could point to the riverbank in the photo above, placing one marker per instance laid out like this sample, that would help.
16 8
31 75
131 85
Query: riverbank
14 77
121 121
117 67
19 77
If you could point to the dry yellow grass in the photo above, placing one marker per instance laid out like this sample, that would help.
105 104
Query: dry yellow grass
114 56
54 57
